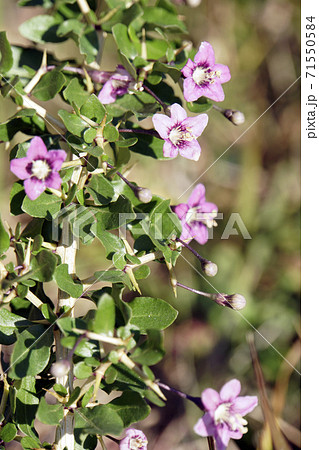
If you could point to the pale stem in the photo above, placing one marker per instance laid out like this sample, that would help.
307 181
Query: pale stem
34 299
42 112
67 251
85 10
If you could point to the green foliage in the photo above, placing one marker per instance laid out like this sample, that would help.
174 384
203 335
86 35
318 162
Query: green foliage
49 414
151 313
6 61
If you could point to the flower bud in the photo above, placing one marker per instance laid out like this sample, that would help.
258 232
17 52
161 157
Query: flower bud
193 3
60 368
234 301
209 268
144 195
235 117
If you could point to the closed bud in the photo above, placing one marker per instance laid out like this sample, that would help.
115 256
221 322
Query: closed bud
209 268
236 117
193 3
144 195
60 368
234 301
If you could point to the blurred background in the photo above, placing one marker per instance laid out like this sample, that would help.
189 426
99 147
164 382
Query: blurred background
257 176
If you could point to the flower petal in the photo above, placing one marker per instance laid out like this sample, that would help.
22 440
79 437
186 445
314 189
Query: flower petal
162 125
205 55
180 210
107 94
34 187
207 207
196 124
56 158
37 149
169 150
191 90
215 92
178 113
19 167
210 399
190 150
205 426
197 196
224 72
186 232
230 390
243 405
199 232
222 438
53 181
187 70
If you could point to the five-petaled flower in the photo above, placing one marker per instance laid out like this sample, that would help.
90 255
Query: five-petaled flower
39 169
196 215
223 418
180 132
134 440
203 77
118 83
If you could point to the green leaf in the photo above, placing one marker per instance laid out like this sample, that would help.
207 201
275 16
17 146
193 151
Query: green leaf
201 105
17 195
9 324
29 443
26 407
113 276
43 266
66 282
89 44
73 123
149 146
162 18
8 432
172 71
70 27
123 42
116 214
82 371
104 320
49 414
130 407
151 351
101 189
141 104
50 84
25 121
151 313
111 242
101 419
163 222
124 15
45 206
42 29
6 61
4 239
110 133
93 109
75 93
142 272
31 352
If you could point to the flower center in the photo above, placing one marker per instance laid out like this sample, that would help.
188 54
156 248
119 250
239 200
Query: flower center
178 134
137 443
194 214
235 422
203 75
40 169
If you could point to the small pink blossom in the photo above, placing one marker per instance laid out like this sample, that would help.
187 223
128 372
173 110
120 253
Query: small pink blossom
203 77
180 132
196 215
39 169
223 418
117 84
134 440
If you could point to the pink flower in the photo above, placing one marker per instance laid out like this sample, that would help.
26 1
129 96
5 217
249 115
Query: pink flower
196 215
118 83
134 440
180 132
223 418
39 169
203 77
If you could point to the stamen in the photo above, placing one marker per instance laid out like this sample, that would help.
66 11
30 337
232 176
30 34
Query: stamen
202 75
178 134
40 169
137 443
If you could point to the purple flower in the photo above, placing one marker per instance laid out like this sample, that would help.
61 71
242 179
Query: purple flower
203 77
134 440
180 132
196 215
39 169
224 414
118 84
